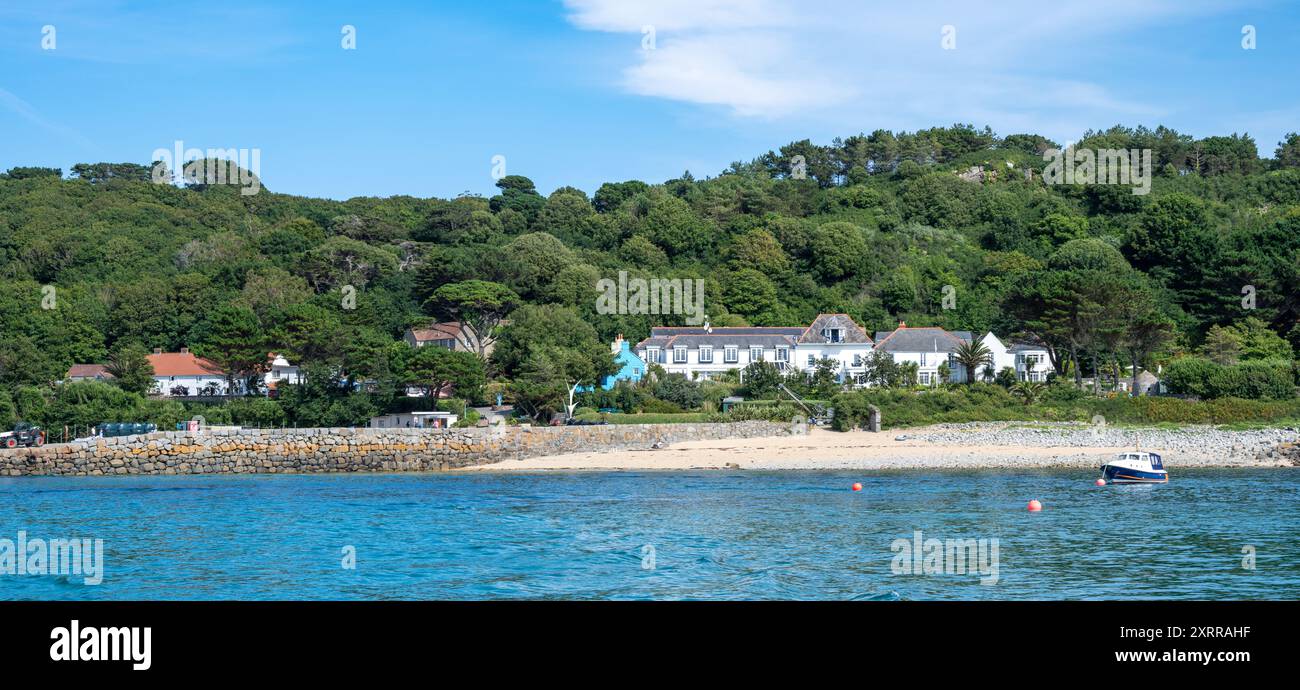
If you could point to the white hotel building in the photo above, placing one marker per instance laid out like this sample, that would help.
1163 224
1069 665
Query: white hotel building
704 352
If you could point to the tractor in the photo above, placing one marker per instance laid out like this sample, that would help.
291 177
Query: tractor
24 434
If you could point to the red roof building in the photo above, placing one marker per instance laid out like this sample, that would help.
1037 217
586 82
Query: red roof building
183 363
87 372
184 374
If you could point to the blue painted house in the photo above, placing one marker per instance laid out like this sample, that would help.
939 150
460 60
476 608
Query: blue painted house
632 367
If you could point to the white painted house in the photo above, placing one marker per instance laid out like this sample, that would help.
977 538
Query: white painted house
839 338
279 372
928 348
183 374
704 352
1031 362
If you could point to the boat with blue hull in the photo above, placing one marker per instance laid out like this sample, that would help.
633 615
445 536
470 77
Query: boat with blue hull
1136 467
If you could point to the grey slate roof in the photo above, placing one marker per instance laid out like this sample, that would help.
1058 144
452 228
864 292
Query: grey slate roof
717 340
906 339
666 337
851 332
745 336
727 330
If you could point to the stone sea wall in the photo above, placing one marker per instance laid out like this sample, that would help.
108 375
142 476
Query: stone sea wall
288 451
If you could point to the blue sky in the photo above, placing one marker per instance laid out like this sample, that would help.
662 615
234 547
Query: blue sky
572 93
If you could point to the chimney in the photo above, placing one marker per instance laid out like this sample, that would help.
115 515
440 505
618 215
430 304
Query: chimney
902 324
618 344
157 350
185 350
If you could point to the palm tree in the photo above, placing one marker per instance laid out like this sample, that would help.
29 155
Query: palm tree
972 355
1028 391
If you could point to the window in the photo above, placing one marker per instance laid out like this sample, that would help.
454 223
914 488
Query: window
679 355
857 360
832 335
812 360
925 376
755 354
783 354
653 355
731 354
706 354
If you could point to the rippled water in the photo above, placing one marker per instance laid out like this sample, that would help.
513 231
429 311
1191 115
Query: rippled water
715 535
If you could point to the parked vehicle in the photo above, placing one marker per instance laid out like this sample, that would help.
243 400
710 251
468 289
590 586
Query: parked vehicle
109 429
23 434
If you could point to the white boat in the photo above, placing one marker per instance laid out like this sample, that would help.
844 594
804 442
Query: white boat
1135 467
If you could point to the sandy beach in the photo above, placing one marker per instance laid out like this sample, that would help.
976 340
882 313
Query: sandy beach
941 447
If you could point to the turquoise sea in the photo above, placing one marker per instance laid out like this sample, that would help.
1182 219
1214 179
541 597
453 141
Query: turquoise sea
661 535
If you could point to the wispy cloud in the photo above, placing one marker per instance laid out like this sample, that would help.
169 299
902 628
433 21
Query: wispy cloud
846 62
755 74
26 111
679 15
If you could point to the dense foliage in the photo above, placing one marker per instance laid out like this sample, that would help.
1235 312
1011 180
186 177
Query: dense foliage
982 402
102 265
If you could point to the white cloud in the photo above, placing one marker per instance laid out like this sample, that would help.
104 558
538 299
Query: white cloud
677 15
852 64
756 75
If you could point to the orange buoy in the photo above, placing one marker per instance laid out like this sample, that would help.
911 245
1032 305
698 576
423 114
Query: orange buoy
1035 506
857 486
1100 482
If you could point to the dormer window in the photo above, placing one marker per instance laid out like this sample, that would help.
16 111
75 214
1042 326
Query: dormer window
833 335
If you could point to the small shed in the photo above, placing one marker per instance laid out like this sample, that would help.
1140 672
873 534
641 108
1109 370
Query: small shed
414 420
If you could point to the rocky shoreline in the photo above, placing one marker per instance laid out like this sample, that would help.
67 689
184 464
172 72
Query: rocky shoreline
1190 446
734 446
976 446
